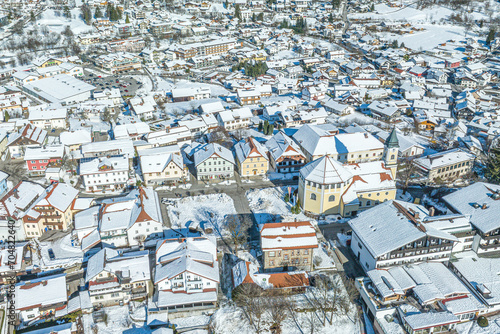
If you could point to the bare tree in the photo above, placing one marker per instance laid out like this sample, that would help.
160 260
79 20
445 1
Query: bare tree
250 298
406 171
238 230
278 310
312 322
219 135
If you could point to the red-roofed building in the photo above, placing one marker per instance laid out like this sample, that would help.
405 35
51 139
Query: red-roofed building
244 273
288 245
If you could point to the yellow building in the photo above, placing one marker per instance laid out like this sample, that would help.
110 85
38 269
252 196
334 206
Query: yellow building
328 187
251 157
51 211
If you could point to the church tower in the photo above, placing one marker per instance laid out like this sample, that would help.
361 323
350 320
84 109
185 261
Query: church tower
391 148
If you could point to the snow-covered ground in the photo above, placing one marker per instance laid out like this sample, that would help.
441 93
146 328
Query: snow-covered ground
199 210
321 259
472 327
229 319
57 23
268 205
65 254
433 20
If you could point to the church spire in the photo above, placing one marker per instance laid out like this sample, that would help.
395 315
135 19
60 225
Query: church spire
392 141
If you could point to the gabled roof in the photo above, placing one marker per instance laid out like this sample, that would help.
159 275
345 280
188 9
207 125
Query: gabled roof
212 150
375 227
250 148
187 258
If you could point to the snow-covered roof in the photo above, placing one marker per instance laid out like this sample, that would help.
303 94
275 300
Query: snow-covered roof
485 218
288 235
169 299
121 213
325 170
250 148
77 137
280 145
187 257
104 165
375 227
45 153
57 195
132 265
429 319
155 160
16 202
41 292
482 273
212 150
443 159
320 140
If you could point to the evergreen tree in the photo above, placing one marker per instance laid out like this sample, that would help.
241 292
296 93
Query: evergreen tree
86 14
330 18
491 36
261 127
226 4
271 129
67 12
237 11
266 127
260 17
6 116
32 17
372 8
492 172
98 13
253 17
127 20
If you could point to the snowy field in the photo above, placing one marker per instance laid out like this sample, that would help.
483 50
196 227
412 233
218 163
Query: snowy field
434 21
200 210
268 205
57 23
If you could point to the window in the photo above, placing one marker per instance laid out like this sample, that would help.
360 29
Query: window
313 197
331 198
272 254
368 203
392 157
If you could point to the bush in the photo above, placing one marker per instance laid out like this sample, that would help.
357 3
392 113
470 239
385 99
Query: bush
482 321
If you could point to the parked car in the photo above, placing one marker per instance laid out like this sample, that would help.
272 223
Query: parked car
52 256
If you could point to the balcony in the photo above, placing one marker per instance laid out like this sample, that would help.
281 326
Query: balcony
490 246
420 250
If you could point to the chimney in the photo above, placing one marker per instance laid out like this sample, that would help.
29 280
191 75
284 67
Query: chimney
416 215
432 211
484 206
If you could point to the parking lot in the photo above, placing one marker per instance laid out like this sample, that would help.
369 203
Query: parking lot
127 84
